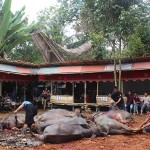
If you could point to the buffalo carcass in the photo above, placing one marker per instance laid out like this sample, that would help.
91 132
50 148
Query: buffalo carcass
107 126
60 126
13 121
119 115
39 126
64 132
53 114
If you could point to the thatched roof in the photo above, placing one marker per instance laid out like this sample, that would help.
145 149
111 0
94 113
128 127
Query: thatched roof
52 52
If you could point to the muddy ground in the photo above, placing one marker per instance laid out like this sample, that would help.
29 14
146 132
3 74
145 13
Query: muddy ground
113 142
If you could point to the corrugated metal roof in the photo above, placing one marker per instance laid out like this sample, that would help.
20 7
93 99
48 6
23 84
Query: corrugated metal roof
35 70
141 66
70 70
8 68
125 67
92 69
24 70
49 70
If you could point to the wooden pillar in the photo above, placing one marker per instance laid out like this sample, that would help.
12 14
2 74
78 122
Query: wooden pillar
24 91
122 89
73 90
0 88
85 85
51 88
16 91
97 89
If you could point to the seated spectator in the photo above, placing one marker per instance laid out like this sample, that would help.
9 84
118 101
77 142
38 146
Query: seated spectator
146 102
136 101
129 103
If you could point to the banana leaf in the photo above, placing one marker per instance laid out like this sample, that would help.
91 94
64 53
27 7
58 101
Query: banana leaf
4 25
10 46
6 6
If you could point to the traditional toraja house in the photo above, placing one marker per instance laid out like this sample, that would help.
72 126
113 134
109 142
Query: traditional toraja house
71 79
52 52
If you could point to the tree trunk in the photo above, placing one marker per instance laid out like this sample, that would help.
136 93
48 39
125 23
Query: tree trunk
114 58
120 70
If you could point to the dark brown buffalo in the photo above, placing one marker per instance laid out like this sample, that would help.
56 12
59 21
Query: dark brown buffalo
40 126
107 126
53 114
64 132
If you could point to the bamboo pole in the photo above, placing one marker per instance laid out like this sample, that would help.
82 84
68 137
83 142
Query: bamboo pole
114 58
120 69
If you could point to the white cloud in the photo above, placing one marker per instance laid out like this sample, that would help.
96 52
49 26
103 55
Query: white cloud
32 6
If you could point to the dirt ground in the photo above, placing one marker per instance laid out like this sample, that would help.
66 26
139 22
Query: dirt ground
113 142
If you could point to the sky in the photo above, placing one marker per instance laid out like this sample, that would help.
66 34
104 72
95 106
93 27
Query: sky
32 6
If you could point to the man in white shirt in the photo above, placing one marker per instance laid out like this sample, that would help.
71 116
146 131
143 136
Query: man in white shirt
146 102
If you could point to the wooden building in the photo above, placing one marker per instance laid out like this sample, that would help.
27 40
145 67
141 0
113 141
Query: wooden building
70 79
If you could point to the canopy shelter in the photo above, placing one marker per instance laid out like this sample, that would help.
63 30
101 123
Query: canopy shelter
85 77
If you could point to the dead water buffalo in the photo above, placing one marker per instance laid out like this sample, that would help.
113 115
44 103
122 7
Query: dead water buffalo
107 126
64 132
53 114
119 115
13 121
39 127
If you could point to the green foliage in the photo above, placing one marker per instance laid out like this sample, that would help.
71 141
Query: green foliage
26 52
139 42
117 20
55 21
105 22
99 45
51 22
13 28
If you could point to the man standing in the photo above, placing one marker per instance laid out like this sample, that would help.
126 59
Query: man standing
45 95
30 110
117 97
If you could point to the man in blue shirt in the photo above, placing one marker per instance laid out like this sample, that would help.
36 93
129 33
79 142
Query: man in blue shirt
31 111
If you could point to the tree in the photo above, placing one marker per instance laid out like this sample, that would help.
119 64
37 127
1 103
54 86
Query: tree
26 52
113 18
139 42
57 22
13 28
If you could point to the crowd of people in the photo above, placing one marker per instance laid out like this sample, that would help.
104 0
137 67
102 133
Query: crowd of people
135 104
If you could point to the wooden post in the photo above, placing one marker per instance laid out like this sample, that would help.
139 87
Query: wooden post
0 88
51 88
73 90
122 89
16 90
85 92
24 92
97 88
